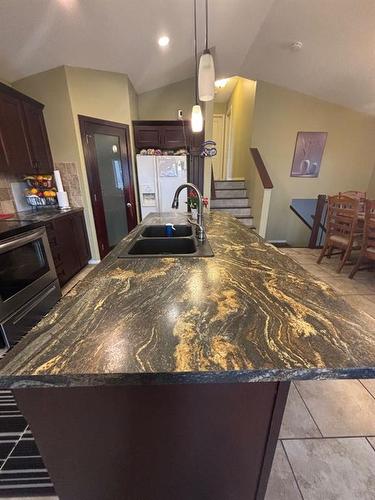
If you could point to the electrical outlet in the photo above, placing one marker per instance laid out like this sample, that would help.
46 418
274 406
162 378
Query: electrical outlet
179 114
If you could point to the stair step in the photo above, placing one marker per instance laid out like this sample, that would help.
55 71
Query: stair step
248 221
235 211
230 193
229 202
230 184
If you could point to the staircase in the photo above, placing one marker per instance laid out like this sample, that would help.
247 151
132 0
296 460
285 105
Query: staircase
231 197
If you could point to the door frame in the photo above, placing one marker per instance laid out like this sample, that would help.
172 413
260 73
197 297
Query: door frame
94 182
228 144
222 134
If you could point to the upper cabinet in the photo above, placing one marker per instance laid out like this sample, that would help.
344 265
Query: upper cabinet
37 137
13 134
24 146
160 135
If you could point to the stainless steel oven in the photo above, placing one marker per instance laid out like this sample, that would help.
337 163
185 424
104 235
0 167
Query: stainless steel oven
28 283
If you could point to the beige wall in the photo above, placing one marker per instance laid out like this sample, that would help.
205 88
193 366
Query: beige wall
51 88
163 103
241 103
68 92
371 186
348 159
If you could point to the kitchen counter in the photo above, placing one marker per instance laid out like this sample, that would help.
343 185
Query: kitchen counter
249 313
30 219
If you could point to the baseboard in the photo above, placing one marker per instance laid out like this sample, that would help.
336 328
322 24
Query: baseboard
93 261
278 243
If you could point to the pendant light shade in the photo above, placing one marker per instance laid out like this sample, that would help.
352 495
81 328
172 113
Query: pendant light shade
206 77
196 119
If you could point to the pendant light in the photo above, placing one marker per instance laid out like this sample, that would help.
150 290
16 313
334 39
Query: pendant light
196 113
206 75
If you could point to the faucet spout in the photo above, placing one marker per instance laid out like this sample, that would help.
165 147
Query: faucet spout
199 224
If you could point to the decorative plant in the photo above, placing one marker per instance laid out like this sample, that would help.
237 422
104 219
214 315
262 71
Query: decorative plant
192 200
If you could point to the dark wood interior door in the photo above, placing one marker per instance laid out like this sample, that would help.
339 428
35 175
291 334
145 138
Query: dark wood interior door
106 148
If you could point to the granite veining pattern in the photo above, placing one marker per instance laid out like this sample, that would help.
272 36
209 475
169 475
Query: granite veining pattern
249 313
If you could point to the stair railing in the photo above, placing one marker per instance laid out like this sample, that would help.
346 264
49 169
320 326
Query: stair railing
260 187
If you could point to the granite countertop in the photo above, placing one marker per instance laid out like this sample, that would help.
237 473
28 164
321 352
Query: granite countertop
250 313
30 219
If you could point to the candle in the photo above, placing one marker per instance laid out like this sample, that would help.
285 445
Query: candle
58 181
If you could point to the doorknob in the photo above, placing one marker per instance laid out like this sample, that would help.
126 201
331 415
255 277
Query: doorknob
129 205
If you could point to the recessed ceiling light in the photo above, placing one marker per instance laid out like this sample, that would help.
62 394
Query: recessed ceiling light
163 41
220 84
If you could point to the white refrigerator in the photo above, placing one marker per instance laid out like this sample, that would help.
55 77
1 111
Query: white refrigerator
158 179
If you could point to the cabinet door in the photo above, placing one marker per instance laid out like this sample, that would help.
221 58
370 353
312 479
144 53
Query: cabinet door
81 239
174 137
148 136
38 139
13 136
65 254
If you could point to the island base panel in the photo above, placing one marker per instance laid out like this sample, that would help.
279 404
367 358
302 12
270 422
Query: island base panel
164 442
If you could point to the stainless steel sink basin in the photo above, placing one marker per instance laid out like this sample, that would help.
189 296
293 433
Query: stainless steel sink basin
150 241
159 231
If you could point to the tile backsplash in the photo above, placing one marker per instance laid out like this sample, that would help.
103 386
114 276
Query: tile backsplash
6 198
70 180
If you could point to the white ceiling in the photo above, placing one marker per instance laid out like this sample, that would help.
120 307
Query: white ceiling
251 39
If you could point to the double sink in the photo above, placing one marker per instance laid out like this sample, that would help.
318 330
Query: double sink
152 241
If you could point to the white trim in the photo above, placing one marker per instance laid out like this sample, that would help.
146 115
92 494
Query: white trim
228 144
264 213
93 261
222 145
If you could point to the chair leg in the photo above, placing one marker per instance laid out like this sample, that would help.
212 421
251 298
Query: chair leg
324 249
344 258
356 267
329 253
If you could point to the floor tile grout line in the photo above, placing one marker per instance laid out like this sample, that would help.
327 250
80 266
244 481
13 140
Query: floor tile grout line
363 385
291 468
308 409
369 442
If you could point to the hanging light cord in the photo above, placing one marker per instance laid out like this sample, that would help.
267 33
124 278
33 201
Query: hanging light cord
195 52
206 25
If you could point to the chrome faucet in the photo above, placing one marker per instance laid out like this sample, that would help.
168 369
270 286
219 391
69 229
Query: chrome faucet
199 224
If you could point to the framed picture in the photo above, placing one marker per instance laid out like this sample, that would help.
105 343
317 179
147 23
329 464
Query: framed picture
308 154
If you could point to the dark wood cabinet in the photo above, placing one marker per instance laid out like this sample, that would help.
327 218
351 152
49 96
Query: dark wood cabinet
147 137
13 134
69 245
38 139
24 146
174 137
160 135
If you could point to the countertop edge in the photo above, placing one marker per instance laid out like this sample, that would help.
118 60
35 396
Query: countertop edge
92 380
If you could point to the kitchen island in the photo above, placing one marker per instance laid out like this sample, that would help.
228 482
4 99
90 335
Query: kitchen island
166 378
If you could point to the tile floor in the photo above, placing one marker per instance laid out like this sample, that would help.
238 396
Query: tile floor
326 449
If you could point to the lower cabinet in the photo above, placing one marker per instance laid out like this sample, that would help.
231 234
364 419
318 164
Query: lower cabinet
69 244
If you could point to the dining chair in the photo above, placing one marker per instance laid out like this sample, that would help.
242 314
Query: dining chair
359 195
341 228
368 244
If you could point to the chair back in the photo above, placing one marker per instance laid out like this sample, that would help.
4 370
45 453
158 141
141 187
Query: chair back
342 216
359 195
369 230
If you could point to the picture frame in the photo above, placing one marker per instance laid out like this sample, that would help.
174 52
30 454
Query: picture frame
308 153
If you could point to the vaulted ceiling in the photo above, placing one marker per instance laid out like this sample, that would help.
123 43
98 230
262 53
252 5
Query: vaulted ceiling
251 38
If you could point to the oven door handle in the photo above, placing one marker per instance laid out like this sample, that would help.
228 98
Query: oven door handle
21 240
